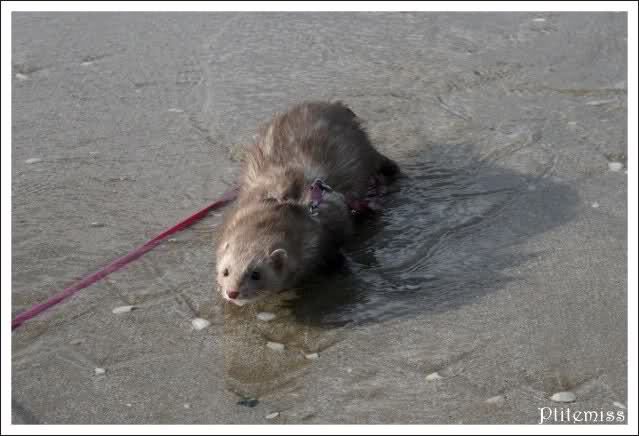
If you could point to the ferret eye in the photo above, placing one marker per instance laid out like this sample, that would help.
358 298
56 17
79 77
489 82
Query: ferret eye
255 275
225 273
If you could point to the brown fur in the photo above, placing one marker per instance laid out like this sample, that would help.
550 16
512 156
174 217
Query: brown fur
316 140
270 225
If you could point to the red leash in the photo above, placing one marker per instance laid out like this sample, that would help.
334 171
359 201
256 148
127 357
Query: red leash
120 262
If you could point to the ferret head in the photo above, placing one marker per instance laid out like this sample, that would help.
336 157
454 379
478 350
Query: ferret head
248 272
260 249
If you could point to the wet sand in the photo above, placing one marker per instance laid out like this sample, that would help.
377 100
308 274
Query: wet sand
500 263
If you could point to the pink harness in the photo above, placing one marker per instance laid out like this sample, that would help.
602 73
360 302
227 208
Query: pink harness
357 206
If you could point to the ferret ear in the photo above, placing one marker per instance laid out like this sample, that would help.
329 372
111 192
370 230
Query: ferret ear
278 259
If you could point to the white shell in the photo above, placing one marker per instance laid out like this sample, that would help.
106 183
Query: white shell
275 346
200 323
497 399
312 356
563 397
99 371
32 160
272 415
434 376
615 166
123 309
266 316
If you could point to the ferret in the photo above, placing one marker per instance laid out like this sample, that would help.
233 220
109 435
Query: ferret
275 235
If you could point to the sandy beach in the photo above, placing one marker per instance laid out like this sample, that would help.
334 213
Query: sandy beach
494 279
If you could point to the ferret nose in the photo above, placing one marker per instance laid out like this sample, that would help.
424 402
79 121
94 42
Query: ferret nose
233 293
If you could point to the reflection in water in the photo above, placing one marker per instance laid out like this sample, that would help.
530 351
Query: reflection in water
446 237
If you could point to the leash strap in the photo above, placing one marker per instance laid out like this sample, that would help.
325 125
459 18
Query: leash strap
317 192
120 262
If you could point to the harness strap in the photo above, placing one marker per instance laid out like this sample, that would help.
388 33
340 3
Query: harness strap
317 189
356 206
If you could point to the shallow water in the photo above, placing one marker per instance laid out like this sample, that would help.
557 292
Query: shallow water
451 229
488 265
442 239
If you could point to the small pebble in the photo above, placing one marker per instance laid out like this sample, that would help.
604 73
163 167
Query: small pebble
21 76
128 404
615 166
412 287
349 370
595 205
172 240
275 346
266 316
86 63
539 20
312 356
97 224
200 323
250 402
563 397
272 415
434 376
33 160
187 405
176 110
99 371
497 399
619 405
